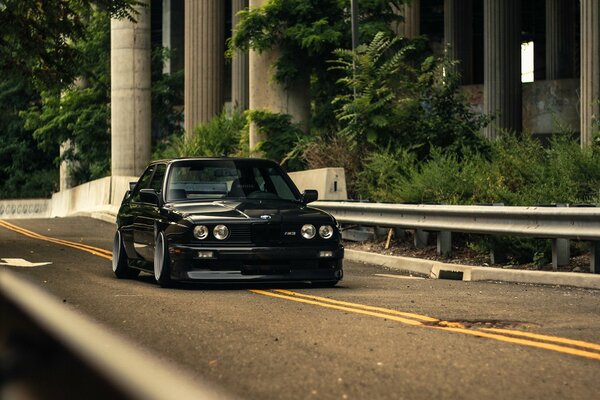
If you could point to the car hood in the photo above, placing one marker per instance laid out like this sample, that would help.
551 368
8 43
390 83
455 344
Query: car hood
264 210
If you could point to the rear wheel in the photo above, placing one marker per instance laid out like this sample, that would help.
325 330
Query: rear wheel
162 262
120 262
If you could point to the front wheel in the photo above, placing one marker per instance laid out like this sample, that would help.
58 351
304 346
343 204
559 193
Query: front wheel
162 262
120 263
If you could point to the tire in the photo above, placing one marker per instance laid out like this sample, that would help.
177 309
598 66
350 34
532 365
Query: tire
120 262
162 262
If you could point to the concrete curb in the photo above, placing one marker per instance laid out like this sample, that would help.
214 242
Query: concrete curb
437 270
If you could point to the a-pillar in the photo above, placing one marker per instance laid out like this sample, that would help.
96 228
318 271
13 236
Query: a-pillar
172 34
458 35
411 26
204 61
239 64
590 69
130 93
559 39
268 95
502 94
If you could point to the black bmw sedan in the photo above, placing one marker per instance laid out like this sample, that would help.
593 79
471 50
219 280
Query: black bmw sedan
224 219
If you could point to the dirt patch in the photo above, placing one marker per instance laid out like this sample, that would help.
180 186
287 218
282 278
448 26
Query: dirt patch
463 254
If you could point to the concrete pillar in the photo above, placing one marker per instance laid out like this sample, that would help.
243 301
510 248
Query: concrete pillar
204 61
130 93
239 65
411 26
559 39
458 36
268 95
66 179
590 69
172 34
502 65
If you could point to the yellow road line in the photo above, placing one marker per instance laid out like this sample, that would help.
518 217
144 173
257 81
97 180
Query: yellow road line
336 307
525 342
499 334
555 339
361 306
84 247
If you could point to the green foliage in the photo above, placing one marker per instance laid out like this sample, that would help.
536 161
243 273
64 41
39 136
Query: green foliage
80 114
38 38
305 34
281 137
25 170
220 136
399 97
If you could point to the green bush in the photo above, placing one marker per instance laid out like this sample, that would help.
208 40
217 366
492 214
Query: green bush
220 136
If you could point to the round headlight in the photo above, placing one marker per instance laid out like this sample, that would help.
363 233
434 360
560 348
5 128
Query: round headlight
221 232
200 232
308 231
326 231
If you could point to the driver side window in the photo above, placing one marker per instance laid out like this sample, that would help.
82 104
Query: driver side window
142 183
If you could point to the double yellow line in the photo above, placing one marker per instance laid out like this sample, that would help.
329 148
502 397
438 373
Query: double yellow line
80 246
557 344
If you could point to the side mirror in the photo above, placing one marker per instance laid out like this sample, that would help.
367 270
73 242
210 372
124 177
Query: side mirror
309 195
149 196
132 186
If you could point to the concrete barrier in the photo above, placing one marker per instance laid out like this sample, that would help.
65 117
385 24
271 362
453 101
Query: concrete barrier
329 182
25 208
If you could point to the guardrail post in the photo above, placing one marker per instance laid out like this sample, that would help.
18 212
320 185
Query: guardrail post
561 253
444 243
421 238
595 258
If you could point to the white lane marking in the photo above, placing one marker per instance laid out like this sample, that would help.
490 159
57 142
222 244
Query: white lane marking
398 276
19 262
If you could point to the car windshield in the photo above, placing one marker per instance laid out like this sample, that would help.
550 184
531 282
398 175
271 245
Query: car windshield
221 179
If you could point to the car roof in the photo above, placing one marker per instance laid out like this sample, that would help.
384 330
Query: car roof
245 159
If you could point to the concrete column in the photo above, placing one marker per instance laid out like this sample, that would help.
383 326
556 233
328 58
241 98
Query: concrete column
172 34
66 179
130 93
239 65
204 61
268 95
458 35
590 69
502 65
559 39
411 26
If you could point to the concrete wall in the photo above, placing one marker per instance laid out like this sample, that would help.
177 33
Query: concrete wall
329 182
545 104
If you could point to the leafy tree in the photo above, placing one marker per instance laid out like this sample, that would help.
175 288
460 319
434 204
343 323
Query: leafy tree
306 33
37 38
25 170
81 112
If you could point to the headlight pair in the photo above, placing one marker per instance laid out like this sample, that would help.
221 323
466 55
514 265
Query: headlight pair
220 232
309 231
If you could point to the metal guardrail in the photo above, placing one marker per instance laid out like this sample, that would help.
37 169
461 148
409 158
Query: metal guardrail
580 223
556 223
48 351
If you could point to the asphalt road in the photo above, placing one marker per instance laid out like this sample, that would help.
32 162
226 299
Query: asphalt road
378 335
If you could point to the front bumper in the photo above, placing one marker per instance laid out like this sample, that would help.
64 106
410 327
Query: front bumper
280 264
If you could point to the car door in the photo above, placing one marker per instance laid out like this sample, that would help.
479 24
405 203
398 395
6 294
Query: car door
144 214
